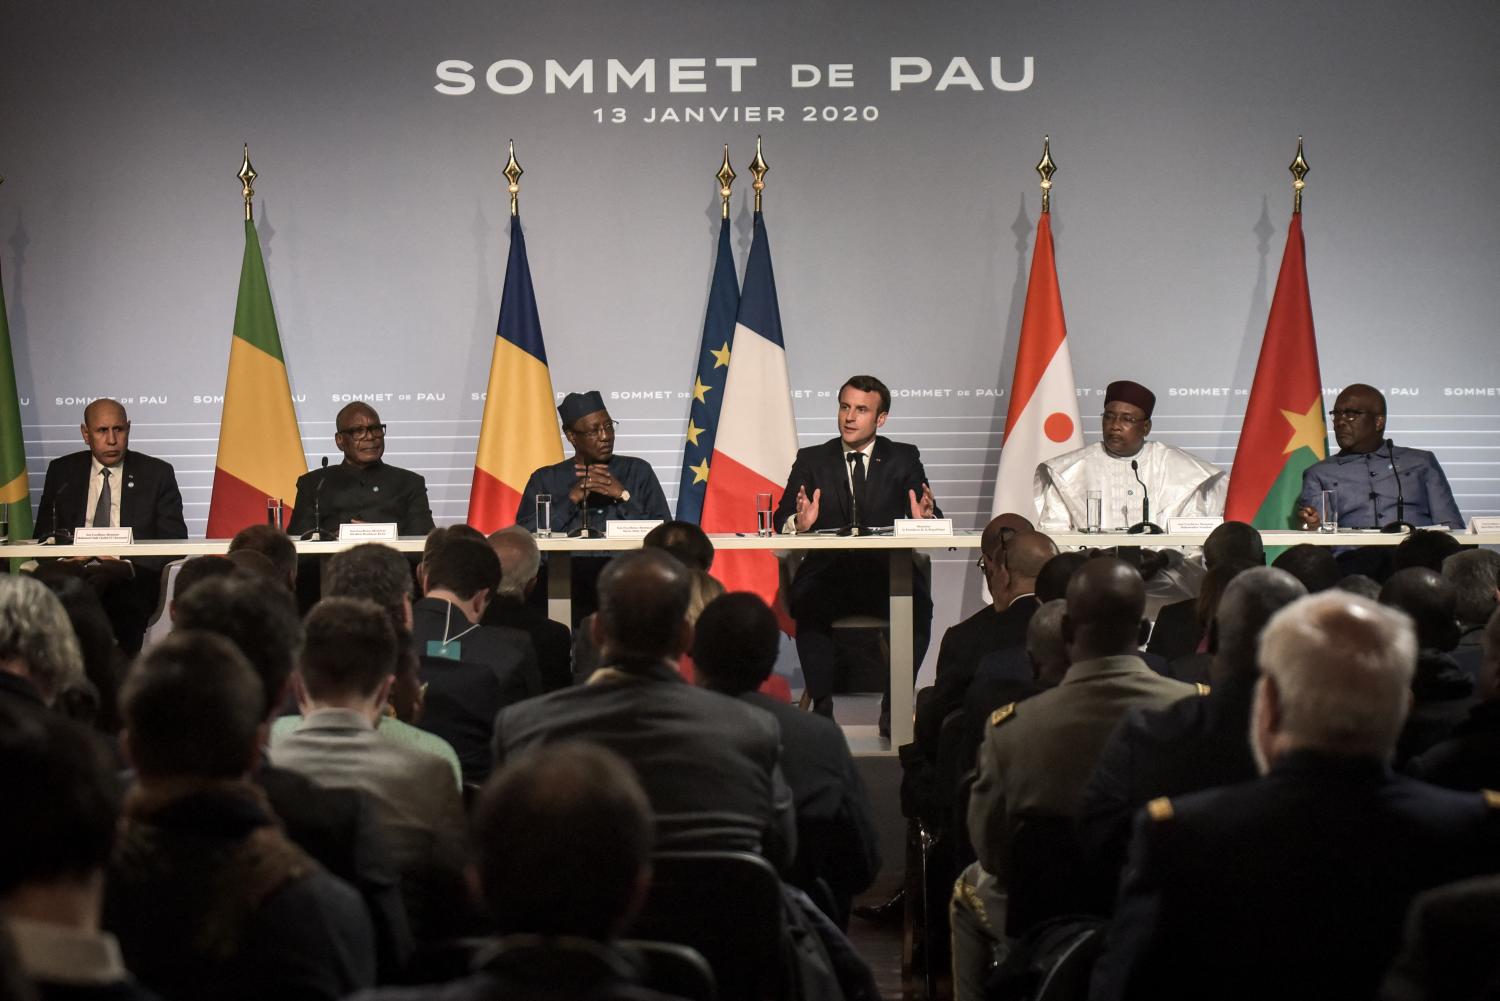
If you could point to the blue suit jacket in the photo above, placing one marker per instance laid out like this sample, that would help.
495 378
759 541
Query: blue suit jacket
1366 488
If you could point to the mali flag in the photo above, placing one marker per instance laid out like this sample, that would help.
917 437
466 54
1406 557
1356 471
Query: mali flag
15 492
1285 430
518 433
260 445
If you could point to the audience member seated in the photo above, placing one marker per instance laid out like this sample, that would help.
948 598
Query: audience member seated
1295 885
520 565
1449 950
338 827
734 649
562 843
254 564
39 654
708 764
103 661
1469 758
1425 549
1442 694
1475 576
61 806
1037 755
206 895
1361 584
275 545
1191 744
1313 565
472 671
343 679
194 572
1181 628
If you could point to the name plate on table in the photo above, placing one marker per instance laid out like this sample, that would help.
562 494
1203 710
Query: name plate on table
374 531
1192 526
627 528
916 527
1483 524
123 536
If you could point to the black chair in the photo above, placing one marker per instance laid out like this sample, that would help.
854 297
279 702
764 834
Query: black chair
727 906
673 969
1049 876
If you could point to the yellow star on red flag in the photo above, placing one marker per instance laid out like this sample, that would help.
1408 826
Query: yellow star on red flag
1307 429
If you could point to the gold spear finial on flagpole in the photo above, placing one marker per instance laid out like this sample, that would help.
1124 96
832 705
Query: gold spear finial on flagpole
1299 169
513 174
758 170
726 176
247 176
1046 168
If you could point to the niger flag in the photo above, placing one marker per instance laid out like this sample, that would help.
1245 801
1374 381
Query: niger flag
518 433
260 445
1285 430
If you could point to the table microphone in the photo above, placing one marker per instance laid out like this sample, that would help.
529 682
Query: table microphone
316 532
59 536
584 531
1400 522
1145 525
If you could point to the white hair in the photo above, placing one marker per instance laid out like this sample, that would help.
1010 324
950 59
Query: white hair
1342 667
36 637
520 559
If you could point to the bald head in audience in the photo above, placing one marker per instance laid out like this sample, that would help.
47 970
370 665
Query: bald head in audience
1106 610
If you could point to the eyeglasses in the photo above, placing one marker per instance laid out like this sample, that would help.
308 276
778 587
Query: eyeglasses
1350 415
364 431
607 428
999 555
1115 417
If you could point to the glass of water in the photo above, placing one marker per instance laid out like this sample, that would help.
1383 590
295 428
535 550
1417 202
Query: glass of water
1329 512
763 516
1094 510
544 516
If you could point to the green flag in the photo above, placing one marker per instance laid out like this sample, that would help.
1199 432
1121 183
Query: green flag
15 492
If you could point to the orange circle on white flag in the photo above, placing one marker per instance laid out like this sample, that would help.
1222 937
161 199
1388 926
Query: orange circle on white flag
1058 427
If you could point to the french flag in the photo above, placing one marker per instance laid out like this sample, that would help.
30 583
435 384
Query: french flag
757 438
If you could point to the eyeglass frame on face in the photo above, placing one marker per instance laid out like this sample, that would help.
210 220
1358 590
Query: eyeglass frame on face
1352 415
1005 533
595 433
1129 420
363 431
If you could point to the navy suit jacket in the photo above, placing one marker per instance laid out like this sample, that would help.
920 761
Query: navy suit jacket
895 467
150 502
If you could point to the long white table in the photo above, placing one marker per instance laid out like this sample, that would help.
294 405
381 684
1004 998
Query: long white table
561 551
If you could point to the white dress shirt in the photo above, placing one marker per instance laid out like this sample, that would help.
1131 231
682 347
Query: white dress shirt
116 491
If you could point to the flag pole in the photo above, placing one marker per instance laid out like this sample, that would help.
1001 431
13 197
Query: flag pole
726 176
758 170
1299 171
1045 167
513 174
247 176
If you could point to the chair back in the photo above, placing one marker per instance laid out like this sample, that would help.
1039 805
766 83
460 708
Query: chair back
674 969
1049 876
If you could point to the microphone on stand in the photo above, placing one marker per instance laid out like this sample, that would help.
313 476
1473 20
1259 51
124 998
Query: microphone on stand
853 496
1145 526
316 532
584 530
59 536
1400 522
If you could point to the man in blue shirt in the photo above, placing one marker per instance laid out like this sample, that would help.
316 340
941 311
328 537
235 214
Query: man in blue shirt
1364 472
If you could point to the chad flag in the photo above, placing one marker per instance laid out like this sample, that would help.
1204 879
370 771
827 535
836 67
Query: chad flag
260 446
518 434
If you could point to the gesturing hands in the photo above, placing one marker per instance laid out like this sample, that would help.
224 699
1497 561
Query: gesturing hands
807 510
922 507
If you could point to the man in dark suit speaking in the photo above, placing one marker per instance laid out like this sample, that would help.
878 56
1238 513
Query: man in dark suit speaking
854 483
108 485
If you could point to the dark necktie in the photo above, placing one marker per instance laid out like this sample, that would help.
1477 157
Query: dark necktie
857 474
101 509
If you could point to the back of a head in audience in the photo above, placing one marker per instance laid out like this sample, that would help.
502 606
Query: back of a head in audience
1248 603
1233 541
643 605
1313 565
562 840
465 569
348 655
1475 576
1335 676
1425 549
1026 555
1361 584
684 540
61 800
1429 600
1211 591
375 572
520 561
37 643
194 572
436 540
260 621
1052 580
735 643
257 565
272 543
102 660
1106 609
193 708
1044 643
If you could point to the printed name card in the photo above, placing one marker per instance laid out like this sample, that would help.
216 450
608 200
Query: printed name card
915 527
373 531
1192 526
626 528
123 536
1484 524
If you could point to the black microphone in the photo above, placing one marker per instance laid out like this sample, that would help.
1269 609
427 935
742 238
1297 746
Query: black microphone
585 530
853 495
316 532
59 536
1400 521
1145 525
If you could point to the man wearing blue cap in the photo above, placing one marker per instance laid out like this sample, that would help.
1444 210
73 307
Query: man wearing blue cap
595 479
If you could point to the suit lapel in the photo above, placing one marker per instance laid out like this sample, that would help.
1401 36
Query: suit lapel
130 508
875 484
839 470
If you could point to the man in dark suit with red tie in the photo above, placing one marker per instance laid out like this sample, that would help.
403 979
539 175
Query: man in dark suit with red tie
108 485
856 482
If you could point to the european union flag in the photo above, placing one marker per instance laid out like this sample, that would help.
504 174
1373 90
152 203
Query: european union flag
708 384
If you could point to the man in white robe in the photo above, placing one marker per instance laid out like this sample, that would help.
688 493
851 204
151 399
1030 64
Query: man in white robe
1177 483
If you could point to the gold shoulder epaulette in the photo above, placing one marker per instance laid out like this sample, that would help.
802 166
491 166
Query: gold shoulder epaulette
1491 798
1002 714
1159 809
1202 688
